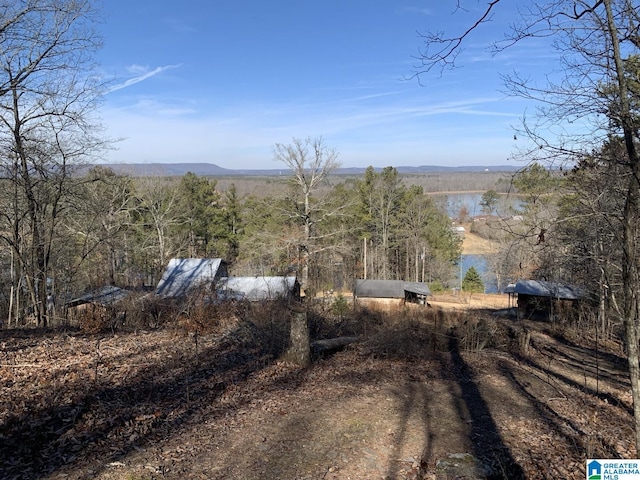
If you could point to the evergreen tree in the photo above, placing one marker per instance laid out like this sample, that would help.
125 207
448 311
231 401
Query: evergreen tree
472 282
489 201
381 196
202 218
232 222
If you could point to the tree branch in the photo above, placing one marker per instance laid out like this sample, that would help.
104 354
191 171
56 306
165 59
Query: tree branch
449 48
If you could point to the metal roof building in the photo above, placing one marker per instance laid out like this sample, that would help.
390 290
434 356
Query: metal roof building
540 299
389 288
542 288
184 275
379 289
419 288
108 295
259 288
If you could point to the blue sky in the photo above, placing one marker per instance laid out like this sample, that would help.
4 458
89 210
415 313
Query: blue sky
224 81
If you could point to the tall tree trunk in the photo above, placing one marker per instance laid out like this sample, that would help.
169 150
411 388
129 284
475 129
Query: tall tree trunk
631 280
304 281
300 347
631 266
36 270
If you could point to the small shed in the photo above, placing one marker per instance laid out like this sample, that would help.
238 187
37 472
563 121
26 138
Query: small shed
259 288
416 292
391 292
104 296
186 275
103 303
542 299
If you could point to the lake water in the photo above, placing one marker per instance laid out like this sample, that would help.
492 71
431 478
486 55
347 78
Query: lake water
480 264
454 202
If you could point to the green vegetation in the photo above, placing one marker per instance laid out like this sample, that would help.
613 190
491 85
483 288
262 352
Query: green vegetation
436 286
472 282
340 306
124 230
489 201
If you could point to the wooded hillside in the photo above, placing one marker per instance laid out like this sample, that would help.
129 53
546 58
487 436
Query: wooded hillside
110 229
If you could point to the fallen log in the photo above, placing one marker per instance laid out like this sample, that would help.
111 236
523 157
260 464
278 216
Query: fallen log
332 344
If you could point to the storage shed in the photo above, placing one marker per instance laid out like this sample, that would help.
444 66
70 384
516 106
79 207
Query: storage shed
103 304
542 299
391 292
104 296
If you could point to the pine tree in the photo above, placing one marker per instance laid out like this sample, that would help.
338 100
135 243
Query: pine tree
472 282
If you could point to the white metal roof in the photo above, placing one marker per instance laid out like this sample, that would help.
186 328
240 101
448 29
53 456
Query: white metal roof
257 288
185 274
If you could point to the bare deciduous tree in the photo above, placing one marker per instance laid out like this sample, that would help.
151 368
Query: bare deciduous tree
310 161
47 93
596 42
101 224
157 205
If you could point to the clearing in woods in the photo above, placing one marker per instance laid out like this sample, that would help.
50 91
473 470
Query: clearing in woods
473 244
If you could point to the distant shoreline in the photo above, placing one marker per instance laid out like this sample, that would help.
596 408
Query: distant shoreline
211 169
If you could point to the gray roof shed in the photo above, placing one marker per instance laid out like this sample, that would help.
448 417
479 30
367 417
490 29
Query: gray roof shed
419 288
105 296
389 288
542 288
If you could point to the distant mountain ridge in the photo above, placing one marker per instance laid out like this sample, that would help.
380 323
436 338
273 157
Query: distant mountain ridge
211 169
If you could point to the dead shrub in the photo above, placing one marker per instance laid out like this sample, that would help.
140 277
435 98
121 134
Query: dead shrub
154 313
325 323
136 311
271 325
369 322
264 326
94 319
202 315
479 332
415 334
407 334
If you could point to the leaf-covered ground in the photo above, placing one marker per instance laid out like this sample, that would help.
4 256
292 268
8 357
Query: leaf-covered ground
165 404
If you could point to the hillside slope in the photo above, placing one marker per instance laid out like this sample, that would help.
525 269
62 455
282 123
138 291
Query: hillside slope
155 404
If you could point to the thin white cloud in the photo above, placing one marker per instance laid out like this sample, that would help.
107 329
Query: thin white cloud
423 11
243 134
179 25
383 138
143 75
